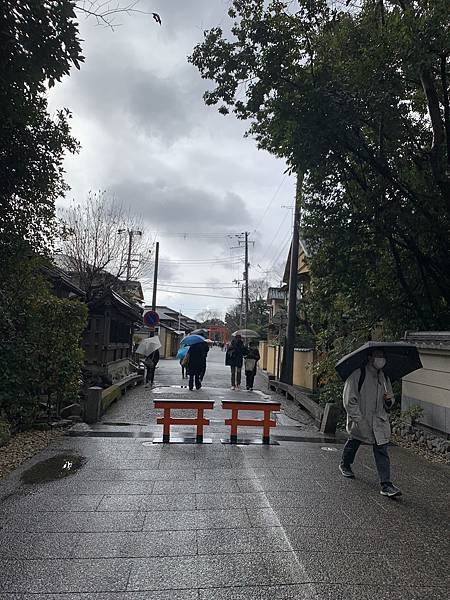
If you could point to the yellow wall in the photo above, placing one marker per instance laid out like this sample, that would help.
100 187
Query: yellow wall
263 354
303 369
271 360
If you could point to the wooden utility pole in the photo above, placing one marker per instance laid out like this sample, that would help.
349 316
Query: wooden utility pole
241 313
155 276
246 278
287 368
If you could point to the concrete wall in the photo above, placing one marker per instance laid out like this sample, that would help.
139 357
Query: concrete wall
303 369
429 388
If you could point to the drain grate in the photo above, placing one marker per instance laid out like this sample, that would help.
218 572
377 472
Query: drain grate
150 435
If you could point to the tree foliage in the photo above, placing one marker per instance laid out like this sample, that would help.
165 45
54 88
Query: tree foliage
358 100
258 313
40 355
39 43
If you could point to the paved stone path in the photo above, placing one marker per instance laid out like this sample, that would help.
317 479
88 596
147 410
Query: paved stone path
214 522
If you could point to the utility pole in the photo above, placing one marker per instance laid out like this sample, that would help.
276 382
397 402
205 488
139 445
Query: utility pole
155 276
242 307
289 346
246 278
131 233
242 238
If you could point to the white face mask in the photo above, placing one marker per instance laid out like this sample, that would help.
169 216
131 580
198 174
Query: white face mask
379 363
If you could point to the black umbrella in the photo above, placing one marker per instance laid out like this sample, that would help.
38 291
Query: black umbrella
203 332
401 359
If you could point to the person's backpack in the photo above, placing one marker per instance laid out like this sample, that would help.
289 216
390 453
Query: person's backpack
250 364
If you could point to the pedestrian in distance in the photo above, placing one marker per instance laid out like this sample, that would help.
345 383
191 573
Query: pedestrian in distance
367 399
197 364
250 363
234 358
150 362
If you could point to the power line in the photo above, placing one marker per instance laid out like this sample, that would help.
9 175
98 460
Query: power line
275 235
203 287
216 260
194 294
271 200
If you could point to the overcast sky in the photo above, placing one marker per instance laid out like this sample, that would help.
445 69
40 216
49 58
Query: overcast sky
148 138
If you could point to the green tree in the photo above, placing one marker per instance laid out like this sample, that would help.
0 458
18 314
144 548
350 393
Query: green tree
40 354
359 101
39 43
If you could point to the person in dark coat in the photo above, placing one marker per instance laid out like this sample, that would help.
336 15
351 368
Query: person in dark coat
234 358
150 364
250 363
197 364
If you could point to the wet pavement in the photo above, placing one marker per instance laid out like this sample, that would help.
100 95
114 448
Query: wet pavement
217 522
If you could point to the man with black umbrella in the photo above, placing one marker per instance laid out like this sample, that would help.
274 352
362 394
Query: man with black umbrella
367 397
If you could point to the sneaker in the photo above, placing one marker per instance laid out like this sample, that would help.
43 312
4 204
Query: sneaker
390 490
346 471
233 387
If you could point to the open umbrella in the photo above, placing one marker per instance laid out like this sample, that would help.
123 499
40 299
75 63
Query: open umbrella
401 359
182 352
149 345
192 339
246 333
203 332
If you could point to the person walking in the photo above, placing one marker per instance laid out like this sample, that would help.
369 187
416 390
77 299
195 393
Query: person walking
150 362
250 364
367 398
234 359
197 364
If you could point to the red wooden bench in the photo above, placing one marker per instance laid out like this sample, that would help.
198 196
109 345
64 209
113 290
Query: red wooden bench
266 423
167 420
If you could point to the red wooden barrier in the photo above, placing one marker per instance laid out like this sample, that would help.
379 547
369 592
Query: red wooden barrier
266 423
167 420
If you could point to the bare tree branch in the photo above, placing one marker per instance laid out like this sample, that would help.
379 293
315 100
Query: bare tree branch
105 12
95 242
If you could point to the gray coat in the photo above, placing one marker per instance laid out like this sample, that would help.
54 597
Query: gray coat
367 419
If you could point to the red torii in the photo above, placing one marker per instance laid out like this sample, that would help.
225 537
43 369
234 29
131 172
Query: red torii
223 332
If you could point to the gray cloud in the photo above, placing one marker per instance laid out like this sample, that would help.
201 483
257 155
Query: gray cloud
147 136
182 208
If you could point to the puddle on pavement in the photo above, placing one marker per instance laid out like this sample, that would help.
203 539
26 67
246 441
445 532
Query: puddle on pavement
57 467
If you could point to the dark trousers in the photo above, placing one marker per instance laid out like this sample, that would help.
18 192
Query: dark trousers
198 381
236 376
150 374
249 379
380 454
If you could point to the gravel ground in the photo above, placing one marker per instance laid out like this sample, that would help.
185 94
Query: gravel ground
23 446
421 449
